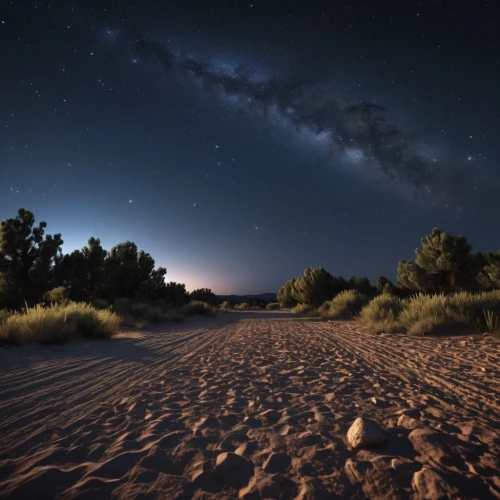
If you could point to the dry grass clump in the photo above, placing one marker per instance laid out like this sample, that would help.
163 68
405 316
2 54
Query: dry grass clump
242 305
304 309
224 308
272 306
199 307
346 305
142 314
59 295
91 322
57 323
381 314
428 314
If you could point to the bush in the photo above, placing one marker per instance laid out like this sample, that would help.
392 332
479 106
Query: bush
100 304
304 309
478 311
381 313
59 295
198 307
272 306
346 304
426 314
57 323
4 314
91 322
242 305
142 314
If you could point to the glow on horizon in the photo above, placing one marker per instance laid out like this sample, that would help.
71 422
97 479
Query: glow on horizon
176 271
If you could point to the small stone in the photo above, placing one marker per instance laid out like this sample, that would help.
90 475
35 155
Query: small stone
228 463
329 397
277 462
407 422
287 429
374 400
365 432
429 484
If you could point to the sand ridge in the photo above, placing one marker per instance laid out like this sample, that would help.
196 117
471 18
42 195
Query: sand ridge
251 405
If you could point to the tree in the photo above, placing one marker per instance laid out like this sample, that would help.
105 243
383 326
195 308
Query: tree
95 257
489 275
316 287
443 264
129 272
175 293
384 286
72 273
11 297
361 284
204 295
285 294
27 256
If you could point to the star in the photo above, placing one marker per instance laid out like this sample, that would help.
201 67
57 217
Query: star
130 201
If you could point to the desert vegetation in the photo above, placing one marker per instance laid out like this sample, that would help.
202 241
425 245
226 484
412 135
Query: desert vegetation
446 287
47 296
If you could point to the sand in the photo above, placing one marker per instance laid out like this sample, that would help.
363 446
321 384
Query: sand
250 405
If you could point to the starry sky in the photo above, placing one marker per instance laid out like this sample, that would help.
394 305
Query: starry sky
239 142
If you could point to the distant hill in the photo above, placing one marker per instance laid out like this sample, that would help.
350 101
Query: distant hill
268 297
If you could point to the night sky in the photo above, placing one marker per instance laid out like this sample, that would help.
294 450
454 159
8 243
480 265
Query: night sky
239 142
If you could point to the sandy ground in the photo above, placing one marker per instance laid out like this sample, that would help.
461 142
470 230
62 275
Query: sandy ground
150 416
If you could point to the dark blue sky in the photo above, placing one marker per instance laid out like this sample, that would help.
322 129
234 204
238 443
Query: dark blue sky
240 142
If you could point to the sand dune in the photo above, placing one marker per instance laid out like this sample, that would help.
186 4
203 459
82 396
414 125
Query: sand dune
250 405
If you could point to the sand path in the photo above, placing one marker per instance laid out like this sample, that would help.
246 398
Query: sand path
147 417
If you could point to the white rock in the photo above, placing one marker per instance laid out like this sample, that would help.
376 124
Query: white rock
365 432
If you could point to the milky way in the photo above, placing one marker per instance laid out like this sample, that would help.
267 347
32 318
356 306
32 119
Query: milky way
358 134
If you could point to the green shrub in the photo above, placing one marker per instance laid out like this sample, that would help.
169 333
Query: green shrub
346 304
4 314
59 295
272 306
242 305
304 309
427 314
224 308
381 313
91 322
57 323
199 307
474 309
122 306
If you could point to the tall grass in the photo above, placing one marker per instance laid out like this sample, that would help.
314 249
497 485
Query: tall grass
345 305
242 305
199 307
428 314
272 306
304 309
57 323
381 314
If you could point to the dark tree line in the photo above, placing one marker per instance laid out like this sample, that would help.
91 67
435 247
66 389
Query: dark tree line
443 264
32 264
